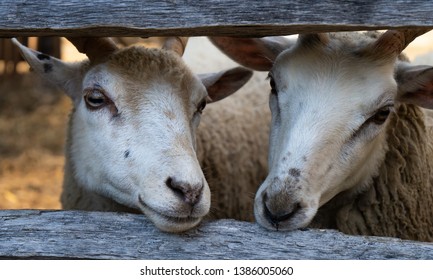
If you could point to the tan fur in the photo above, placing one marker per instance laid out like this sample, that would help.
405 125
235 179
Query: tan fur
232 148
150 64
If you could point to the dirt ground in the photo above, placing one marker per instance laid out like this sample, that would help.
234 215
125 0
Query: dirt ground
33 117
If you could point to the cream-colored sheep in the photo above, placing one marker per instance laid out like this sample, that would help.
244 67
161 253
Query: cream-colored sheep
131 136
349 147
232 136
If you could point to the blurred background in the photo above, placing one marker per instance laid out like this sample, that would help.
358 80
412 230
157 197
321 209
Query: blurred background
33 119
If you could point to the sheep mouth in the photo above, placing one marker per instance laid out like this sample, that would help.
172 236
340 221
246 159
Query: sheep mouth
299 217
146 209
297 221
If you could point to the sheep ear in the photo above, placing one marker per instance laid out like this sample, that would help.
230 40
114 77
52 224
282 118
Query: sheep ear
64 75
176 44
222 84
415 84
255 53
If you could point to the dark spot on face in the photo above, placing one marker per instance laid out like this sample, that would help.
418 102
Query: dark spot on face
284 158
48 67
304 158
126 154
295 172
330 167
42 56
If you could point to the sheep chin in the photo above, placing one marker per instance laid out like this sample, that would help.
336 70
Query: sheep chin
168 223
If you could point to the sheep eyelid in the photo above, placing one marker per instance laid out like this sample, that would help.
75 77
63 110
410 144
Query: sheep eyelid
272 84
381 115
95 98
201 105
370 120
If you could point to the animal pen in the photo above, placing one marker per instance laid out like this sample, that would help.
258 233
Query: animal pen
46 234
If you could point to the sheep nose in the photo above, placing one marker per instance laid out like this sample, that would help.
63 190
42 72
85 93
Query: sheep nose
275 215
190 193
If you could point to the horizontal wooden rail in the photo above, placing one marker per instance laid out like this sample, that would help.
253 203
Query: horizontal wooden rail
205 17
35 234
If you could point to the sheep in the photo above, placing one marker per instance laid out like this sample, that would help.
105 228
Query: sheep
349 148
131 143
236 164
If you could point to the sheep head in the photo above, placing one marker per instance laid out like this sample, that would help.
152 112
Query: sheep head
133 128
332 96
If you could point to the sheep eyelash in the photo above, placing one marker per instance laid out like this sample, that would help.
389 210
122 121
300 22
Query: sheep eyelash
272 84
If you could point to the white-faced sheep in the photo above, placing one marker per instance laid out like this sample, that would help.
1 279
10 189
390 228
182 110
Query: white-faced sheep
349 148
131 135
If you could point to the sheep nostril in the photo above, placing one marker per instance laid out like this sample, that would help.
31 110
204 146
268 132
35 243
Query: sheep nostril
190 193
178 190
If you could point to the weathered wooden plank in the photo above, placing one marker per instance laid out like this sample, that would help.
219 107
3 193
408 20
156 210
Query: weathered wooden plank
205 17
94 235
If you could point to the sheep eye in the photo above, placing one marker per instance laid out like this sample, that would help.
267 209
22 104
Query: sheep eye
380 116
201 106
95 99
273 86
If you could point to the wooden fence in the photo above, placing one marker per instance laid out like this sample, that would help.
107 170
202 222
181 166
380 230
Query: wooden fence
39 234
36 234
205 17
